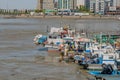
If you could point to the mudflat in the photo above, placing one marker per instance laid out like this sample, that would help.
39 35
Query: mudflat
20 59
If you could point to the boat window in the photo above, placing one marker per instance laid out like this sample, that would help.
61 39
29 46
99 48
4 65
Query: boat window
110 57
102 47
118 63
118 51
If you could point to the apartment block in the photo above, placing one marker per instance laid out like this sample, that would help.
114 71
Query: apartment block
45 4
67 4
92 5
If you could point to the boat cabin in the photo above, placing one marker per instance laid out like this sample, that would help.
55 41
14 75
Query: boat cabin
108 58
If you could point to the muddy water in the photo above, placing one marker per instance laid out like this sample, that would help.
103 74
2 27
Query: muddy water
20 59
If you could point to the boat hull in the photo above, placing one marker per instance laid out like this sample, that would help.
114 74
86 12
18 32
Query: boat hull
99 73
43 49
53 50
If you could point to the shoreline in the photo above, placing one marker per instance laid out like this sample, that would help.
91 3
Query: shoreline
63 17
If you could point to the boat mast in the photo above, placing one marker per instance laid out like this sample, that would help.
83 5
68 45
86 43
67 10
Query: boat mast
100 54
47 29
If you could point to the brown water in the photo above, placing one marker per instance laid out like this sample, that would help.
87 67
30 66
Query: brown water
20 58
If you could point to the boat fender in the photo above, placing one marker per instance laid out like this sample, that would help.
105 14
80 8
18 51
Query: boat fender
85 66
104 69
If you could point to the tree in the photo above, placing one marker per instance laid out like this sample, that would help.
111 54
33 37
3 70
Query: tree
83 8
0 11
38 11
26 11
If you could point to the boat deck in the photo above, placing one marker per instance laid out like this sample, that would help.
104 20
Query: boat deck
95 67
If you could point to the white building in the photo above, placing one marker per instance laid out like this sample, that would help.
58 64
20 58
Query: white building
80 2
97 6
100 6
112 3
48 4
92 5
67 4
45 4
118 3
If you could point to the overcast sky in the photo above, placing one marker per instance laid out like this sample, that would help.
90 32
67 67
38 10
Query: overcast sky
18 4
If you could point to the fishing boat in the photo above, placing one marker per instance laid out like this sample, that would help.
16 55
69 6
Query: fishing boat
39 39
109 68
108 58
54 38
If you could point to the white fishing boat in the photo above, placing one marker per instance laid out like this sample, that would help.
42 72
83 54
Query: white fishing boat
55 38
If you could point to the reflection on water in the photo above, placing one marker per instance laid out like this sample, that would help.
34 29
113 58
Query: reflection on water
20 57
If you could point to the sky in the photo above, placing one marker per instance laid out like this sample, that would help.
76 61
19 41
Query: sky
18 4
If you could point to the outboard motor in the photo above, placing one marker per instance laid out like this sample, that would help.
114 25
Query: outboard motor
110 69
107 69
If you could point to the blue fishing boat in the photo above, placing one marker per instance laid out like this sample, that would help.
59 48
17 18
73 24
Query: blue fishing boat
99 76
97 73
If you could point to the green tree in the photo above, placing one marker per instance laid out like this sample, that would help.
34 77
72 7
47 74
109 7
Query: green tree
38 11
26 11
0 11
83 8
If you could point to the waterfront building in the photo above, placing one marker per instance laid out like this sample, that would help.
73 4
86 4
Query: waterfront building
100 6
118 3
80 3
45 4
114 3
112 7
87 4
118 7
39 4
67 4
48 4
92 5
55 4
97 6
108 3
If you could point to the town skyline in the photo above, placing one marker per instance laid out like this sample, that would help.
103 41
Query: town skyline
95 6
